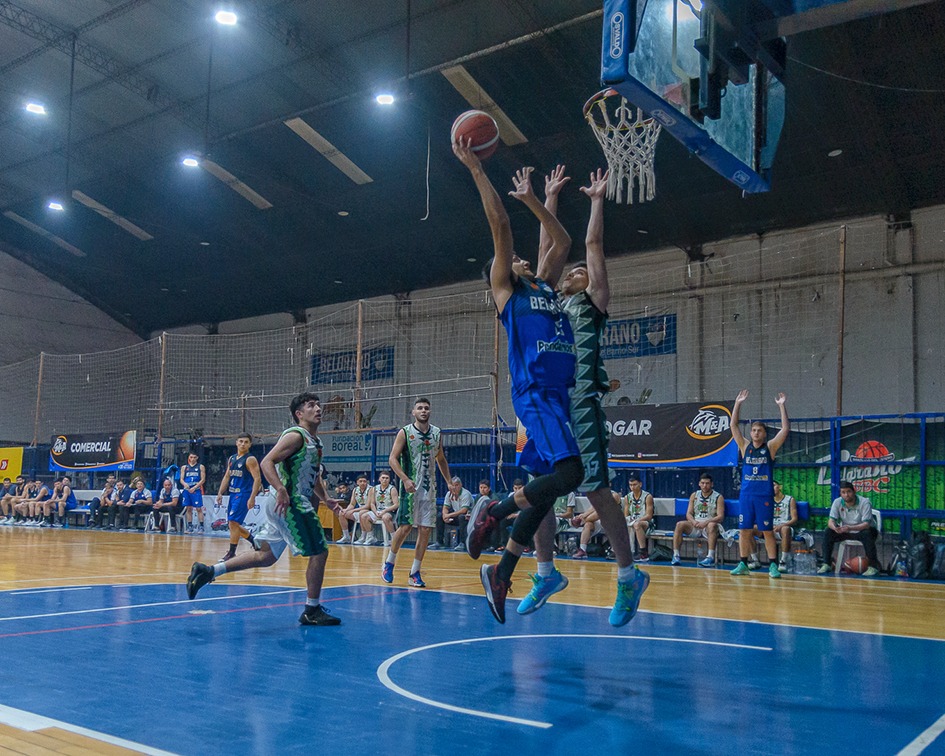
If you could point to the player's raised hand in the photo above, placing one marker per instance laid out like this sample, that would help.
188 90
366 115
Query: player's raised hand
462 148
597 186
742 396
522 181
781 399
555 182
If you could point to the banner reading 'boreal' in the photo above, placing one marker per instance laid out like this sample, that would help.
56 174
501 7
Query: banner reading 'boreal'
93 451
673 435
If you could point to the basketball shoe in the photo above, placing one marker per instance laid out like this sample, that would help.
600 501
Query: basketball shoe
543 588
200 575
318 615
481 524
629 594
496 590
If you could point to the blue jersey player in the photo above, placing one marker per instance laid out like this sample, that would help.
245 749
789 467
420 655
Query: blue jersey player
541 367
242 481
756 502
192 477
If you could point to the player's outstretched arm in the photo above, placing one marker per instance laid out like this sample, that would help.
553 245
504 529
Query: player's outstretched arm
736 430
500 277
598 285
288 445
775 444
554 183
550 267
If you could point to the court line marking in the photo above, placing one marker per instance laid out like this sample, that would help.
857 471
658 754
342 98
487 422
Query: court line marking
29 722
384 676
51 590
925 739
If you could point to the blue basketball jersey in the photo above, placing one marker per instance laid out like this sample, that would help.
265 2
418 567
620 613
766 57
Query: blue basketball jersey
541 342
241 480
757 472
190 475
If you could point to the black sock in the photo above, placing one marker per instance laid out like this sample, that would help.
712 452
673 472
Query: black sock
232 551
506 565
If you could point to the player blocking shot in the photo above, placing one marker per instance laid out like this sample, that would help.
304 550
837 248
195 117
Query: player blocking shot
293 469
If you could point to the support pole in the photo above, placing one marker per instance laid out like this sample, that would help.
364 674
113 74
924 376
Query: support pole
160 422
840 318
358 365
39 396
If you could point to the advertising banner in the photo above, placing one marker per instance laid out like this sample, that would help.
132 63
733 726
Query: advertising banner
649 336
93 451
11 462
347 452
671 435
377 363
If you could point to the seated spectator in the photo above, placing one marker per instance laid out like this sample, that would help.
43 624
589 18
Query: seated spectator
589 522
383 501
638 508
850 519
167 502
357 503
95 514
62 501
48 507
456 506
10 496
139 503
703 520
785 518
29 508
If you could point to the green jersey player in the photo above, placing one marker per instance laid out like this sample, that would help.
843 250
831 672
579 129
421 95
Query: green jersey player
292 468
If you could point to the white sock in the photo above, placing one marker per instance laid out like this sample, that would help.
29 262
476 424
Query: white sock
711 554
676 553
625 574
219 568
545 569
311 602
391 557
583 547
415 567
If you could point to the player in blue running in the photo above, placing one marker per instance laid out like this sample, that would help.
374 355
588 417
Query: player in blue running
242 481
756 501
192 477
541 366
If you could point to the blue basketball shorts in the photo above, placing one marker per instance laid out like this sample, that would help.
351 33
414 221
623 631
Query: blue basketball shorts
545 411
756 511
188 499
237 509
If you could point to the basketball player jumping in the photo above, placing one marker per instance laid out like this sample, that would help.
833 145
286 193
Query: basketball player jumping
756 502
541 365
585 297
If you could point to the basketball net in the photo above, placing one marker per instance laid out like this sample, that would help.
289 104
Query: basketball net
628 139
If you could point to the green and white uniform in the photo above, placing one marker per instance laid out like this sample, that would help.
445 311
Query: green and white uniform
418 461
300 528
636 508
590 383
382 500
782 514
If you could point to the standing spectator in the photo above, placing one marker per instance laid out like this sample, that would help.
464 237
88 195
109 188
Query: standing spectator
850 519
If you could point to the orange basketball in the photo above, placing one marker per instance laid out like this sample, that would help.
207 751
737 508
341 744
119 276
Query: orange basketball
856 565
872 450
480 128
126 447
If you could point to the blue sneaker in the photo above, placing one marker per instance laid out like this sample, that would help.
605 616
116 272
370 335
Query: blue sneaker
707 562
387 572
414 580
628 598
542 590
674 561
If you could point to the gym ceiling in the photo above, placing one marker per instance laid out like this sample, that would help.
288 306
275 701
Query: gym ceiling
308 192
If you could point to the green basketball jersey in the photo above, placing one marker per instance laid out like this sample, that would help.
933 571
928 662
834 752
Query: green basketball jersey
299 471
587 322
418 457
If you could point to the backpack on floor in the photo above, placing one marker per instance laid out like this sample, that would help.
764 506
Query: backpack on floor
938 562
899 563
921 554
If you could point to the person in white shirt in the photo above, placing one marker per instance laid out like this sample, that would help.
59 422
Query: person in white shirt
850 519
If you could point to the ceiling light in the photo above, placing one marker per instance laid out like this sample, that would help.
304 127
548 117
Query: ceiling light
343 213
163 289
36 108
385 99
470 259
338 281
190 162
227 18
55 205
835 153
204 244
642 231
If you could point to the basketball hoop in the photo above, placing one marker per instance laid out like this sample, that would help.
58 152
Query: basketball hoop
629 144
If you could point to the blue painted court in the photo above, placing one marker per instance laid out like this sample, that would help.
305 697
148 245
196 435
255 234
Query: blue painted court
431 672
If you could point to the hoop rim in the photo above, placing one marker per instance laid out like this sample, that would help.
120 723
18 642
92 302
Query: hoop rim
603 94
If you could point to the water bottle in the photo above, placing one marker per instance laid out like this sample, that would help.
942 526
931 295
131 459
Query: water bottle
572 545
454 538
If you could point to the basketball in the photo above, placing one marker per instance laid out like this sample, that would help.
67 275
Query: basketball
856 565
480 128
873 450
126 447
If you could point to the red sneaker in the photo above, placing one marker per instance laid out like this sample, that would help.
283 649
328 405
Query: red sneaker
481 524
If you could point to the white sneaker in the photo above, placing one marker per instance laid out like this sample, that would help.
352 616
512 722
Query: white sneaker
370 541
344 539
